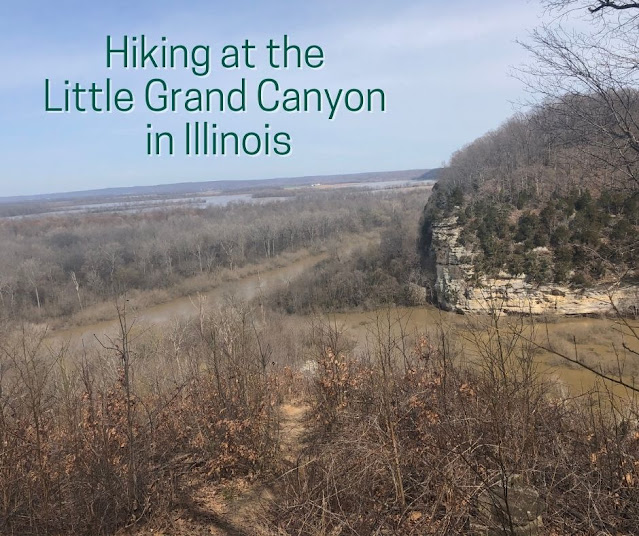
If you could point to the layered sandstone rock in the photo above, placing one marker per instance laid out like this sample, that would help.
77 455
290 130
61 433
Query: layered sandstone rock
458 290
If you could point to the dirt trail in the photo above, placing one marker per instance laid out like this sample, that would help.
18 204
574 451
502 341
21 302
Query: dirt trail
245 511
238 509
292 428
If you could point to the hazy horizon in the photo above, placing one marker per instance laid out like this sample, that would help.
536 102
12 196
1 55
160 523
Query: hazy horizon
28 197
445 72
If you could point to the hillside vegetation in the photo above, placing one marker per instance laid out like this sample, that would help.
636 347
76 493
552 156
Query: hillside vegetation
540 197
57 266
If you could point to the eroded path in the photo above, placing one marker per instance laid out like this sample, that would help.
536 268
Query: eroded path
237 508
244 514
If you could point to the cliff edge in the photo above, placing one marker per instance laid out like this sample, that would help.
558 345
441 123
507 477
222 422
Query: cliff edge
458 288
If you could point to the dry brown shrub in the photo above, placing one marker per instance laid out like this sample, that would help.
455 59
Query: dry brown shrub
417 437
94 443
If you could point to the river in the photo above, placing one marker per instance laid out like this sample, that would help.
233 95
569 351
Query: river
245 288
598 341
126 205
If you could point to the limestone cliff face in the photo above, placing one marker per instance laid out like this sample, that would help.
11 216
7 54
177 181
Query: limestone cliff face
457 290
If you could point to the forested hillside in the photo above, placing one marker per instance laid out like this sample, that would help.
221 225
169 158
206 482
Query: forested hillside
553 192
546 196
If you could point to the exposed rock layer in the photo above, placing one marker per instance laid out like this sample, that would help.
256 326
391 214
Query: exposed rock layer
458 290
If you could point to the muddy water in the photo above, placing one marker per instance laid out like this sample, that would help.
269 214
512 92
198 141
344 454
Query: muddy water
245 289
598 342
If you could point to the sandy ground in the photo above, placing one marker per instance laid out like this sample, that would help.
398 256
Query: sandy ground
236 508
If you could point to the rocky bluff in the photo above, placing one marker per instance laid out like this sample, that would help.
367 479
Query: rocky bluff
457 287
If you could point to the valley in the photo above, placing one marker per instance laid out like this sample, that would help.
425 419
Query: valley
407 352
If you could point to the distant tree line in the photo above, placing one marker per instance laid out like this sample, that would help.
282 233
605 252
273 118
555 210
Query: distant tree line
57 265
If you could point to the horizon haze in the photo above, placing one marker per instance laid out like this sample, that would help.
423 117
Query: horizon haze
444 75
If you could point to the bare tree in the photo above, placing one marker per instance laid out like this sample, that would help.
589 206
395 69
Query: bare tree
593 6
587 77
32 272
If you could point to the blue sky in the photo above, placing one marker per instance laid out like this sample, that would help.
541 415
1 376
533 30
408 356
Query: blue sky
443 66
